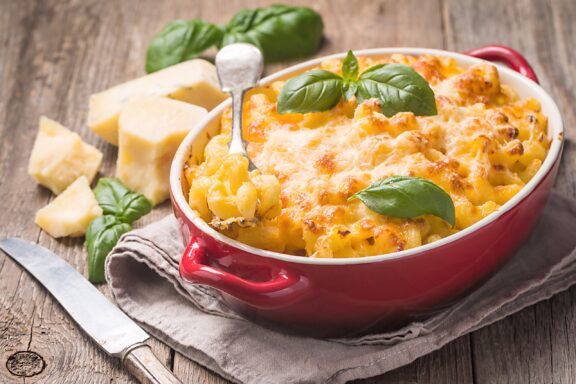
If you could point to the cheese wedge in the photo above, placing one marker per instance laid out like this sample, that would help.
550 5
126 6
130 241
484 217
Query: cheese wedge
193 81
70 213
59 157
151 130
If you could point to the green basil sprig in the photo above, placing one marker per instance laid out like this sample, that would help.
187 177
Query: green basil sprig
281 32
121 207
407 197
179 41
398 87
101 236
313 91
350 69
116 199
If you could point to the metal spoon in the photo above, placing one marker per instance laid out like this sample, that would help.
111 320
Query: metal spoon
239 68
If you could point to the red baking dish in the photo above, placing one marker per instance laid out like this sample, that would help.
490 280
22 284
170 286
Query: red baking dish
336 297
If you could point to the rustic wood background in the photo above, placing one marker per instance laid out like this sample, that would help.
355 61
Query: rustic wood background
54 54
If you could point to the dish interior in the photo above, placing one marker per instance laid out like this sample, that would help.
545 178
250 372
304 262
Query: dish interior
195 142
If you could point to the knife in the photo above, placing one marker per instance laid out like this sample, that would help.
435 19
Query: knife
107 325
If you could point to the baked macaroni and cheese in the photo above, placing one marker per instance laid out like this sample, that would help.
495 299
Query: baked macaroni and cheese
481 148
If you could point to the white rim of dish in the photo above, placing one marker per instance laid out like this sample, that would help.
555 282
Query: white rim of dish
555 125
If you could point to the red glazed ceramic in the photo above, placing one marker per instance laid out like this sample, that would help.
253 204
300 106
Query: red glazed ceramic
336 297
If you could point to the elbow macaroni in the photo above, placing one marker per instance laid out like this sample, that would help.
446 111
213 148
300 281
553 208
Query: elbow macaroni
484 145
223 192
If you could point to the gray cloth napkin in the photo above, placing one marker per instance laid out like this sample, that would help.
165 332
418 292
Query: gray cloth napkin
142 272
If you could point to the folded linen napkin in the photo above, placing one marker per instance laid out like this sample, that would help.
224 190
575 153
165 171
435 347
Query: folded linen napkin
142 272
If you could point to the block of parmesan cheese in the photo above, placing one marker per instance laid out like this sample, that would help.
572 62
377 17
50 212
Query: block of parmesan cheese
59 157
151 129
70 213
193 81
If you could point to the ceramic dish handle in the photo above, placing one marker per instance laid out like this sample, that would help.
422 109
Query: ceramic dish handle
284 288
508 56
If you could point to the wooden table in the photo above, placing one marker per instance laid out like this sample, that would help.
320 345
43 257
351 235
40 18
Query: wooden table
54 54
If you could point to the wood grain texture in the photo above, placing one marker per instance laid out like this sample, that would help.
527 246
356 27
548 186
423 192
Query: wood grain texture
54 54
537 344
51 71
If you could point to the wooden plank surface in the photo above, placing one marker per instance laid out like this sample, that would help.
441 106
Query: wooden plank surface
51 71
537 344
54 54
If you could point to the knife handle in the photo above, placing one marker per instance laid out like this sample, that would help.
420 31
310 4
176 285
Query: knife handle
141 362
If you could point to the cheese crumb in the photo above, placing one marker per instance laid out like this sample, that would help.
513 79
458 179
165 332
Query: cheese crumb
193 82
59 157
70 213
151 129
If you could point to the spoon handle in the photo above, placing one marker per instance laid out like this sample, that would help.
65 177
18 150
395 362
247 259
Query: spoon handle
237 143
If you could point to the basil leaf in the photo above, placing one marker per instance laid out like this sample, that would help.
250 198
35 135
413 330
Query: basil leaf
399 89
134 206
109 193
407 197
281 32
101 236
179 41
350 90
236 30
121 207
313 91
116 199
350 68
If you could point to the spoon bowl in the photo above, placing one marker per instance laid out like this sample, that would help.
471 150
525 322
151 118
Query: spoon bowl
239 68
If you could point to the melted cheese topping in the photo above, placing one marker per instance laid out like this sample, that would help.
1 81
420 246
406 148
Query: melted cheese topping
481 148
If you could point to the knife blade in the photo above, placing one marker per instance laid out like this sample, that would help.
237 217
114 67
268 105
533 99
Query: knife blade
107 325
